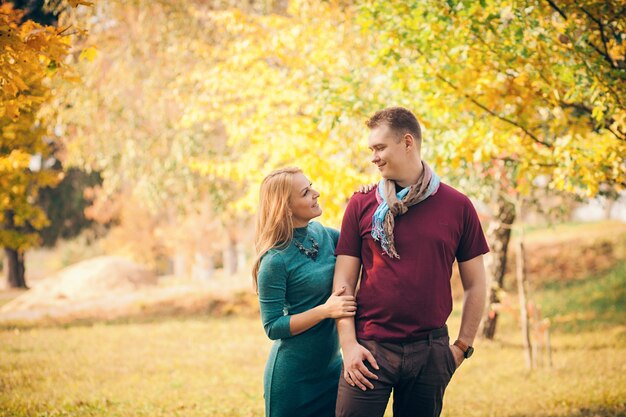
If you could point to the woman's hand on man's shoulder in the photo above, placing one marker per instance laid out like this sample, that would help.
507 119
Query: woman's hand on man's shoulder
364 189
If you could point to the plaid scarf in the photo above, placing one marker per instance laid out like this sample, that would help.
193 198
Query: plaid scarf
393 204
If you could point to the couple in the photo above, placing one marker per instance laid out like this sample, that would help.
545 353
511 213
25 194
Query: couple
401 241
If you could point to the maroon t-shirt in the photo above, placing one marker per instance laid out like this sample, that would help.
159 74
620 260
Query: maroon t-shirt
402 299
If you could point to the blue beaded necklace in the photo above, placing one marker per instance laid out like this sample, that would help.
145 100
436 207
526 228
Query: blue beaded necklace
310 253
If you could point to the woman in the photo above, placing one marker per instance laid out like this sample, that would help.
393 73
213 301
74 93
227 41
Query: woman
293 275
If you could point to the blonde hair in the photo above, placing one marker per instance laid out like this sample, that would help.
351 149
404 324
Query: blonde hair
274 224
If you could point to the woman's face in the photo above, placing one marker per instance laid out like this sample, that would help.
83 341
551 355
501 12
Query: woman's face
303 201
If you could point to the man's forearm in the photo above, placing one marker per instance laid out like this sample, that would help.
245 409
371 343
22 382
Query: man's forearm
473 307
475 292
346 275
345 325
346 331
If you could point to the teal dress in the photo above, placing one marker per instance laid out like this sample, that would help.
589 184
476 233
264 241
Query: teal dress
302 372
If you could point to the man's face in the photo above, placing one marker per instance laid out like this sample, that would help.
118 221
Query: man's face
389 155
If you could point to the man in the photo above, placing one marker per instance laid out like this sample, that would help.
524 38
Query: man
406 234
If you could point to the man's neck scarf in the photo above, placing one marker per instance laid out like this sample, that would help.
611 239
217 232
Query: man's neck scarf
393 204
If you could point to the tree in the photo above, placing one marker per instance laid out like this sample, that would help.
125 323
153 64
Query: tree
512 94
284 67
132 121
179 115
31 55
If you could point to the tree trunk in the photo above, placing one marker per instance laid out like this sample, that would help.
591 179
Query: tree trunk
14 268
203 267
608 207
241 257
230 257
181 267
520 274
498 236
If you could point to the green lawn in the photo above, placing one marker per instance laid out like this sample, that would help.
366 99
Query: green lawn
214 366
591 304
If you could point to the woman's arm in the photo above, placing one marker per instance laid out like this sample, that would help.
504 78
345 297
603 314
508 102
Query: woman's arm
272 289
336 306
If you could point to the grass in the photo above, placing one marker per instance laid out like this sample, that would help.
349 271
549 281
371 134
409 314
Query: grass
197 367
572 231
592 304
201 366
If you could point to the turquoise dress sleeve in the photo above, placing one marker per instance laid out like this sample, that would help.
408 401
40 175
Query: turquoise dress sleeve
272 283
334 234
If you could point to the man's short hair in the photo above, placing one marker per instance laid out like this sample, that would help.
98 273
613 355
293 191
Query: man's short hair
399 119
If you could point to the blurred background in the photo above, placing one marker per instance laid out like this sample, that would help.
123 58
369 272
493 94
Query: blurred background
134 136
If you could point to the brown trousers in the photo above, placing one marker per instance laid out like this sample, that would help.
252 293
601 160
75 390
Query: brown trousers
418 372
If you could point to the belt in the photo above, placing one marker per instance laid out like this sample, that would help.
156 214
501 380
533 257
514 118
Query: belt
434 334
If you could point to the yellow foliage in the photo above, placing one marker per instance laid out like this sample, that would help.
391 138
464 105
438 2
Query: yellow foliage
88 53
30 55
518 86
177 112
76 3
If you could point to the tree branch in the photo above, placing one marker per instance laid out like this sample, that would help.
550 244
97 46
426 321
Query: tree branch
607 123
493 113
604 55
602 36
616 134
485 108
555 7
62 31
616 96
583 59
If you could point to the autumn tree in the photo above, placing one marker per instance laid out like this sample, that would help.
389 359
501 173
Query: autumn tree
132 122
31 56
187 104
512 93
284 67
189 101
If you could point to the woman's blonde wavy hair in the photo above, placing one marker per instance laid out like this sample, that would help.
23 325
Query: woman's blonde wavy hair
274 223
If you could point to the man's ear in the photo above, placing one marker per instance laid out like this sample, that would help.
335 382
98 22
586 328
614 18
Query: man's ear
409 141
